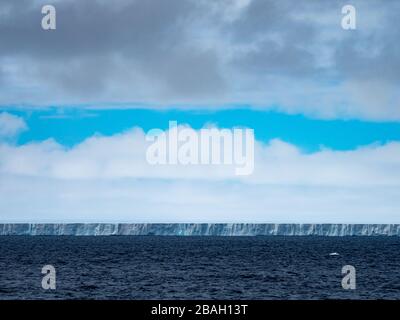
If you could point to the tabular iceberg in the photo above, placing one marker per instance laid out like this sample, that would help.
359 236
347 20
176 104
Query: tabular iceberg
200 229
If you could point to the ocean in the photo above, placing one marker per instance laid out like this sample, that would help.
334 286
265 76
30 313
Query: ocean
199 267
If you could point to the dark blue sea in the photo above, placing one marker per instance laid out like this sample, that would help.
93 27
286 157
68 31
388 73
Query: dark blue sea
152 267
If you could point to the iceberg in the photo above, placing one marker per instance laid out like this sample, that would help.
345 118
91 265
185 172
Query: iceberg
198 229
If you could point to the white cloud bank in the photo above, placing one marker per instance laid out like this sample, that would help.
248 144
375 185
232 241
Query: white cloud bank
10 125
108 179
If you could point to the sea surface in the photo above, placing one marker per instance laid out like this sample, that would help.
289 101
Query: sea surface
185 267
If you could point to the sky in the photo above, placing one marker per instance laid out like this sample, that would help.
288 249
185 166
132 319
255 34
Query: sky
76 104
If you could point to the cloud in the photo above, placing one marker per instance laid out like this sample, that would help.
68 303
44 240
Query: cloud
11 125
107 178
292 56
143 49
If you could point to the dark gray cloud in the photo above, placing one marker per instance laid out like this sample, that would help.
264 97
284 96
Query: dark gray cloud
289 34
201 52
101 42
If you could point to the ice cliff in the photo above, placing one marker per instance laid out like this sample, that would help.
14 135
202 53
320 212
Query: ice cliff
193 229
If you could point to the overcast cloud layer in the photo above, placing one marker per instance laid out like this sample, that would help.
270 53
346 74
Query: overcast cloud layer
292 55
